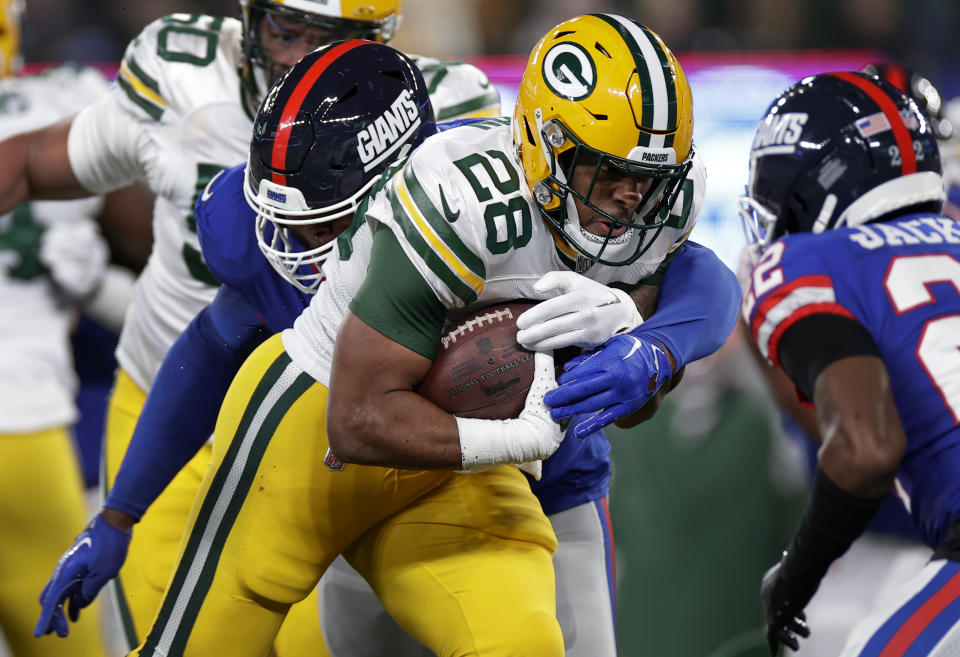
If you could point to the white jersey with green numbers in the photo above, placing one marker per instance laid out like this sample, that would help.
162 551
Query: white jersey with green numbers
463 214
175 117
37 379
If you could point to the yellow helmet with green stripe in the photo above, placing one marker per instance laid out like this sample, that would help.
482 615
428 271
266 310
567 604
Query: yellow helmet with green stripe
374 20
11 13
602 89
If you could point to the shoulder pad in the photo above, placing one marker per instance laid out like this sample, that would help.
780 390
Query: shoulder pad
457 89
169 54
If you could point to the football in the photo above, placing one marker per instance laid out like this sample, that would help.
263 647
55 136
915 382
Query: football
480 370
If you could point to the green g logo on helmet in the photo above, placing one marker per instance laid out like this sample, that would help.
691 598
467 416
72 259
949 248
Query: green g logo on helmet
569 71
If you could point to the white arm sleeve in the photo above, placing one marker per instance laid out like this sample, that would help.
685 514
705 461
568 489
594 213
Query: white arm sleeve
104 145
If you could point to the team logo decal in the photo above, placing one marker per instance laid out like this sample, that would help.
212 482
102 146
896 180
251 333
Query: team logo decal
569 71
385 134
779 134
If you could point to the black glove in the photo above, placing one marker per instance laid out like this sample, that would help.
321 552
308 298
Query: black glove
783 603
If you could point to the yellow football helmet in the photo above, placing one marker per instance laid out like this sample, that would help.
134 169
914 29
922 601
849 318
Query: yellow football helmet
11 13
604 90
374 20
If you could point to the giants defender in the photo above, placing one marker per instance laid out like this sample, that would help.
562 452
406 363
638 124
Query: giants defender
425 527
857 298
53 262
182 109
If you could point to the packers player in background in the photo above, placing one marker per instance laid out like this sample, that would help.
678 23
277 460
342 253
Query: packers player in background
53 264
460 559
181 110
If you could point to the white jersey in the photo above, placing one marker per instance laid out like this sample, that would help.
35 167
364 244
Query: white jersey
466 220
175 118
37 379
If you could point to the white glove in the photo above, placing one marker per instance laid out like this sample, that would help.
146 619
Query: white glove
531 437
583 313
76 256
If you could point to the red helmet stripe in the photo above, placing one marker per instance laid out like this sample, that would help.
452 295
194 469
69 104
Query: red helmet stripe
908 160
278 156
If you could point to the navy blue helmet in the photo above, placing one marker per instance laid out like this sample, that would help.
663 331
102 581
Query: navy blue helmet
323 135
834 150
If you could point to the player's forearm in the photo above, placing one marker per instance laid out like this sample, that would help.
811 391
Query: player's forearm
34 165
863 439
398 429
697 308
176 420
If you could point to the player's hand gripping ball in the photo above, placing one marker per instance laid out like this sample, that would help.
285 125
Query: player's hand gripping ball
481 370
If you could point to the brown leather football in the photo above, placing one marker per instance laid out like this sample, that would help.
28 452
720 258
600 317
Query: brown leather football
480 370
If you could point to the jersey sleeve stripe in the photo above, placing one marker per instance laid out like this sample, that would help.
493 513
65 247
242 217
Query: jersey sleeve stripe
481 107
440 268
441 72
803 297
142 92
145 78
680 241
781 292
441 227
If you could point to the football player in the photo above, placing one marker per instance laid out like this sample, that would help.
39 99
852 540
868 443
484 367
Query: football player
53 263
181 110
889 551
856 298
425 539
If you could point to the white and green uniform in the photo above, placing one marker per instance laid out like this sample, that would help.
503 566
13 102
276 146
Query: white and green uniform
464 216
37 379
175 118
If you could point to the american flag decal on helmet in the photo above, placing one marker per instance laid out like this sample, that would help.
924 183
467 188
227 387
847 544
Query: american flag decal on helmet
873 124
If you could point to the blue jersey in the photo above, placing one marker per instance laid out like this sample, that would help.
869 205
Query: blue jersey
901 281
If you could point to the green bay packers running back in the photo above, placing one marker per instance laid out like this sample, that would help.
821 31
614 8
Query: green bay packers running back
461 560
181 110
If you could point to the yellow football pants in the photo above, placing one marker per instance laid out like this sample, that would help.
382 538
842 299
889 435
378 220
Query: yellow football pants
43 510
153 547
463 562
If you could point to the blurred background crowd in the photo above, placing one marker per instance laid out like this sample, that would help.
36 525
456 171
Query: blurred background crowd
919 33
707 494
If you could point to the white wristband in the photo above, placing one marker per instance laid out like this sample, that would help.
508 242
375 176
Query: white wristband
483 443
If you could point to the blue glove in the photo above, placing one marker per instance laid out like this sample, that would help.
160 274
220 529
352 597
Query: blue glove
609 383
94 559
